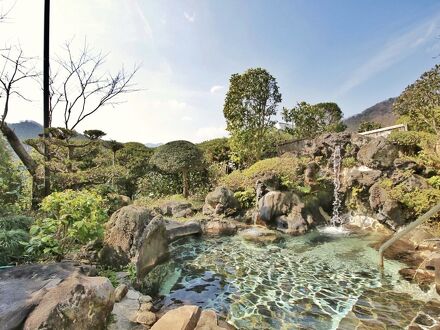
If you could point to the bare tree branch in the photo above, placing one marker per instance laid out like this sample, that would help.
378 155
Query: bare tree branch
83 88
5 12
15 68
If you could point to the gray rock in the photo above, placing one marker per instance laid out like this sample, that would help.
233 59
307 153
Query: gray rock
132 237
146 317
275 204
378 154
221 201
360 176
284 211
220 227
120 292
386 209
123 235
177 209
153 248
23 287
176 230
259 235
79 302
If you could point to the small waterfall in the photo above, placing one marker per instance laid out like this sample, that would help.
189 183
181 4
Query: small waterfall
336 218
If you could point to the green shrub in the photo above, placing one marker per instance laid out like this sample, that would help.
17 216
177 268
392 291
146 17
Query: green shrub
411 142
110 274
434 181
246 198
12 245
288 169
420 201
349 162
12 222
73 218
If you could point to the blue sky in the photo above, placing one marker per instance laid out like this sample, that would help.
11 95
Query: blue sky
355 53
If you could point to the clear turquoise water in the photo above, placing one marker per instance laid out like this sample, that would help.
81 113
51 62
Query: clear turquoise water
307 282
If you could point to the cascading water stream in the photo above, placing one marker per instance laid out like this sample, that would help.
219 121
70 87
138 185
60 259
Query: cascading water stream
336 218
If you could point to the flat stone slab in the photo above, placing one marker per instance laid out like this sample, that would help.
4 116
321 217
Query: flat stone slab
176 230
23 287
259 235
182 318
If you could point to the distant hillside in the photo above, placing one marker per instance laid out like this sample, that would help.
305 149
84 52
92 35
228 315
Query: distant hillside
381 113
27 129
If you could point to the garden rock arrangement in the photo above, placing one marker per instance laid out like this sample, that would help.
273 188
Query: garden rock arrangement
132 310
177 209
283 210
132 235
221 201
53 296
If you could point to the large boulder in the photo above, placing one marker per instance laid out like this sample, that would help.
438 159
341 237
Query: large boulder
220 227
79 302
361 176
386 209
378 154
177 209
176 230
275 204
123 235
153 249
284 211
133 236
53 296
221 201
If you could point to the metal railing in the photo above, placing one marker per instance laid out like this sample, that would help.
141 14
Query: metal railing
433 211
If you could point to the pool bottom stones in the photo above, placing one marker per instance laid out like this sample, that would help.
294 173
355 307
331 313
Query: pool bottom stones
308 282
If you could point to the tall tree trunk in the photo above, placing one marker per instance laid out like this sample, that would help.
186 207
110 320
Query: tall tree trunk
28 162
46 93
185 180
113 167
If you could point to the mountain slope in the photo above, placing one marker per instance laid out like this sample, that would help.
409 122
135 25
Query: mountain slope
27 129
381 113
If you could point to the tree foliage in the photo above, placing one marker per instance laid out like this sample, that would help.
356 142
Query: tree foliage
73 218
366 126
307 121
178 157
250 104
216 150
11 181
135 158
419 104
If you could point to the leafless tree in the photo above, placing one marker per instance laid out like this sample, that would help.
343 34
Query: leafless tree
82 91
16 68
81 88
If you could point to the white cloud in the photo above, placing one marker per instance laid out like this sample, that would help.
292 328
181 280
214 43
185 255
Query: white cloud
186 118
393 51
189 17
216 88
